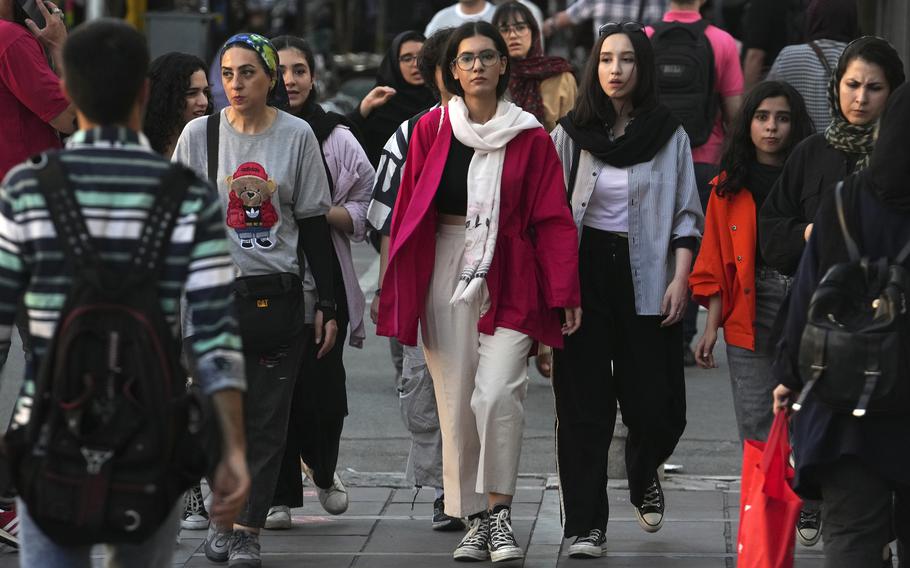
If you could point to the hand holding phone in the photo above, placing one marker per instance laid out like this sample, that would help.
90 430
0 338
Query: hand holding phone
45 21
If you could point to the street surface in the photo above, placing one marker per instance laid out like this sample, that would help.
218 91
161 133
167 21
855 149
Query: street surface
381 529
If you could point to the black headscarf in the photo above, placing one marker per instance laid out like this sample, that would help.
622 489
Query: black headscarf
833 19
889 168
645 135
320 121
408 100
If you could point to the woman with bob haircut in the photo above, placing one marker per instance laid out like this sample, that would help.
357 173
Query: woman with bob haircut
481 206
635 204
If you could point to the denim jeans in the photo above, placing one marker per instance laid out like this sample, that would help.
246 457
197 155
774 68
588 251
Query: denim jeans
750 371
36 549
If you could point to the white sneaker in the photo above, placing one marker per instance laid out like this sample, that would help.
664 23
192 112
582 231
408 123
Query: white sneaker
279 518
334 500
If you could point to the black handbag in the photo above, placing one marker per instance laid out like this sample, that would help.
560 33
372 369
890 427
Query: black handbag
270 308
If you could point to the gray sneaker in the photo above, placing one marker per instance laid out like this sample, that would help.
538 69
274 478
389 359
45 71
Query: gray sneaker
245 550
217 544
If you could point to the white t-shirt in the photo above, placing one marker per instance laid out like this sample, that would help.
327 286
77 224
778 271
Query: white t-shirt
608 208
454 16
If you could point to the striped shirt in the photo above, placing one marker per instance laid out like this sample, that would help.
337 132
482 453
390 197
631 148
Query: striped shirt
603 11
664 211
114 175
801 67
388 175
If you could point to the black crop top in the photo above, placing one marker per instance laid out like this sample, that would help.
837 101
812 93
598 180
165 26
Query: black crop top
452 195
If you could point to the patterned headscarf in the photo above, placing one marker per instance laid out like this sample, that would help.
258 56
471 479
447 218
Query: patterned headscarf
857 139
278 96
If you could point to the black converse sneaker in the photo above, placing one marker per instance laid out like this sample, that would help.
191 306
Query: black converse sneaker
195 517
443 522
651 512
502 540
809 526
591 545
475 546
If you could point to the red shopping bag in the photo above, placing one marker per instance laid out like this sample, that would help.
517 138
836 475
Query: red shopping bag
768 507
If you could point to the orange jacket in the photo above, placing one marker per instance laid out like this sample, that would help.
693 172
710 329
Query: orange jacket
726 264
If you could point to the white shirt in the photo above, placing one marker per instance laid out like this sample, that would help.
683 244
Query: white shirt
608 208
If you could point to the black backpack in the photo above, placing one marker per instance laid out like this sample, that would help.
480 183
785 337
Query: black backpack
112 440
855 348
685 76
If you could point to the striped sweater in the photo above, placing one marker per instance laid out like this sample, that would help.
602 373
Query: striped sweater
114 175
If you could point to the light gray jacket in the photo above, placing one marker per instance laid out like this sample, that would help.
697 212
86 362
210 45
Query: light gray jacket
663 207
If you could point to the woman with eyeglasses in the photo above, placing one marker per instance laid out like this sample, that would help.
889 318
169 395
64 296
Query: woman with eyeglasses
541 85
400 93
635 204
482 253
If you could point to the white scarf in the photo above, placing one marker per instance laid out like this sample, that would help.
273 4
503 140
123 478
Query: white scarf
484 183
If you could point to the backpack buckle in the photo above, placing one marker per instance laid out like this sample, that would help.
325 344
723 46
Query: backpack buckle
95 459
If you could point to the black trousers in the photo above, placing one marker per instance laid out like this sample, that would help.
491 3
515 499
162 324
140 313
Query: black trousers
318 409
857 518
646 379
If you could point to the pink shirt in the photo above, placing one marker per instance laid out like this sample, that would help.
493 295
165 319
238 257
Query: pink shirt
30 97
728 79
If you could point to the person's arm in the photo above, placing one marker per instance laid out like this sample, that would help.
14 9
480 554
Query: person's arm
231 479
351 216
52 36
704 349
730 110
579 10
753 63
782 225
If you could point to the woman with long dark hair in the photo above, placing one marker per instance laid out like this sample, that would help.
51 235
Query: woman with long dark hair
635 204
275 196
178 93
400 93
540 84
482 187
743 295
320 398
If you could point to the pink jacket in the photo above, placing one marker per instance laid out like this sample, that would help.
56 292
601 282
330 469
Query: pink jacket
535 265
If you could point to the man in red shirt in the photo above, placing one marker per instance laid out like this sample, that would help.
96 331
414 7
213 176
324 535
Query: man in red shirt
32 106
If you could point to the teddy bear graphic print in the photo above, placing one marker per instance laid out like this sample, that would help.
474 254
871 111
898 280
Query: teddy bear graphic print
250 212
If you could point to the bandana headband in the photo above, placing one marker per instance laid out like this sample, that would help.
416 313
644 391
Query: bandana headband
262 46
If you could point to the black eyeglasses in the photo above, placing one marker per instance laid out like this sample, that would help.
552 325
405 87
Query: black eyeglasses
487 57
407 59
611 28
518 27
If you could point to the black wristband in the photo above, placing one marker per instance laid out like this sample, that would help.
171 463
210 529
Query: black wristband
327 307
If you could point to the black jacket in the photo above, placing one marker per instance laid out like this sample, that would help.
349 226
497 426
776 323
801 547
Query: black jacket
811 172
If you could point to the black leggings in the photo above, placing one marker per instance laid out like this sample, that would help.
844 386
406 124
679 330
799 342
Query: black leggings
646 379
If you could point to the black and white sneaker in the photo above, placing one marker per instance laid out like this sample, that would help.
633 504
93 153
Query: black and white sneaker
502 540
475 546
443 522
651 512
591 545
195 517
809 527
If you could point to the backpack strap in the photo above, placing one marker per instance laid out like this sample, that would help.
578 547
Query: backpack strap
852 249
821 56
903 254
159 223
65 213
212 127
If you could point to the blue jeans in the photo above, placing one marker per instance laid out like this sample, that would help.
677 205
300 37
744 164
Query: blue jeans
36 549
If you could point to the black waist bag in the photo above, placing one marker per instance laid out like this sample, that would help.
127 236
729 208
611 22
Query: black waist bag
855 349
112 438
270 309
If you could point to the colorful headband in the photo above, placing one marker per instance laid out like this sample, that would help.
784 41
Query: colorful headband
261 45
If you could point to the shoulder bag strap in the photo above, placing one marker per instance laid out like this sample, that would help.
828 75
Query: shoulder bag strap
852 249
66 214
903 254
212 126
821 56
